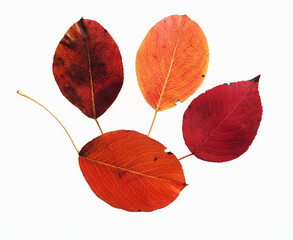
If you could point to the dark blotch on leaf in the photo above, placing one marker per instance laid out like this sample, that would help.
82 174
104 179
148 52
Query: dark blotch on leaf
59 62
105 31
229 84
104 97
139 210
67 42
82 26
69 91
101 68
169 153
155 159
75 75
203 75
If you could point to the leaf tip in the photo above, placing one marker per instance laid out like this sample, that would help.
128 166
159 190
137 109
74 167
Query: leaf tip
81 20
256 79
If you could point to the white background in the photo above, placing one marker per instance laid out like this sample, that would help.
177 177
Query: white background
43 193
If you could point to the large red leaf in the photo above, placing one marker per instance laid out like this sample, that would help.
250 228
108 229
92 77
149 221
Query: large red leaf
131 171
172 61
88 67
220 125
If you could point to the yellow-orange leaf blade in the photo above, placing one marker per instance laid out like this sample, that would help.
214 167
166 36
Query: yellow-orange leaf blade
131 171
172 61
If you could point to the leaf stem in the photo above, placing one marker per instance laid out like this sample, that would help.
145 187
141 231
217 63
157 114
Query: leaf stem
185 156
24 95
99 125
153 122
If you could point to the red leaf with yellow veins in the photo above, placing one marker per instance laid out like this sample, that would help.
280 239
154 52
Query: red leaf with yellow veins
220 124
88 67
131 171
172 61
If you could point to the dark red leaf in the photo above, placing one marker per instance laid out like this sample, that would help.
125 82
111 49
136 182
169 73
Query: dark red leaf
88 67
220 125
131 171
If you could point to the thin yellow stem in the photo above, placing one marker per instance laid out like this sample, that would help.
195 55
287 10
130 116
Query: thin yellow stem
24 95
153 122
99 125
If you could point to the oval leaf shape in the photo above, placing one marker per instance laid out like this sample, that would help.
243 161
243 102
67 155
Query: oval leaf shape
131 171
172 61
220 124
88 67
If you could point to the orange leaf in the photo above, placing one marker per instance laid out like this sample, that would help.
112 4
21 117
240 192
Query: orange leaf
131 171
172 61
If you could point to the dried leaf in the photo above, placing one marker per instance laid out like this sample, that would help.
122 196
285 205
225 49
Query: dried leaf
88 67
220 125
131 171
172 61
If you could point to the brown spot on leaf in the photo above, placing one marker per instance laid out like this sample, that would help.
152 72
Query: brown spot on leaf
59 62
71 93
101 68
121 173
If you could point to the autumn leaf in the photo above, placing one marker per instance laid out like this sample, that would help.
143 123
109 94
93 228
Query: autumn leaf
220 125
131 171
88 67
172 61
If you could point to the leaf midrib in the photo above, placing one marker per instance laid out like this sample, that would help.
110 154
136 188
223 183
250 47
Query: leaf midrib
171 65
90 71
130 171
